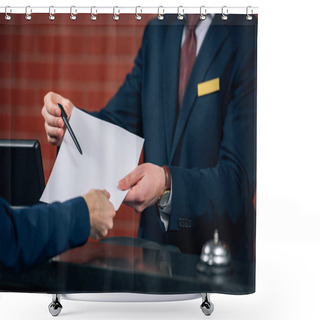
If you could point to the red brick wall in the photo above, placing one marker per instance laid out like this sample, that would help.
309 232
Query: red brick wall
82 60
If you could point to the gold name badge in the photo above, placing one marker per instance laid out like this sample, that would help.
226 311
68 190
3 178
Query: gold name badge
208 87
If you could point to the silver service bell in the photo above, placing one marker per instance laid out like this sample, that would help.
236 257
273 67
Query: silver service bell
215 256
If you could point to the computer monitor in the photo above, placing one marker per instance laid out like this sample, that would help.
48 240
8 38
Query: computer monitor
21 172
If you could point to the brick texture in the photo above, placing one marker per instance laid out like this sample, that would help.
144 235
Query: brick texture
82 60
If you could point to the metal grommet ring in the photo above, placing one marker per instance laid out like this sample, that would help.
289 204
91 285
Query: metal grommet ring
224 13
93 16
180 13
160 15
116 15
203 13
52 11
138 17
28 13
249 16
73 13
7 10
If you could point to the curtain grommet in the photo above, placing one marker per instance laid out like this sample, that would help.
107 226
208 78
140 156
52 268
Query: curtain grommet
138 16
52 11
116 15
203 13
160 15
73 13
180 13
249 15
224 13
93 15
28 13
7 10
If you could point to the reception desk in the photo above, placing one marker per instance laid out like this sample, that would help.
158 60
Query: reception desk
127 265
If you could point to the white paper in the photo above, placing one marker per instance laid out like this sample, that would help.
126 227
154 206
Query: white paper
109 153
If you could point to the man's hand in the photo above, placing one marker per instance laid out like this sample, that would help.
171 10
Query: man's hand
51 113
147 183
101 213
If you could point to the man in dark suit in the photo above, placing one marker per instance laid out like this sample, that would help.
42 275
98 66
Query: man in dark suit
32 235
200 170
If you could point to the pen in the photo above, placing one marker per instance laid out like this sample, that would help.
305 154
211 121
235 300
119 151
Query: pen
66 122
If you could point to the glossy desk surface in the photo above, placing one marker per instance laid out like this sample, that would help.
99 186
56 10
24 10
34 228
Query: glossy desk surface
110 267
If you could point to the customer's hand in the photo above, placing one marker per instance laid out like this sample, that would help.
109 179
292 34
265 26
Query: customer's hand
51 113
101 213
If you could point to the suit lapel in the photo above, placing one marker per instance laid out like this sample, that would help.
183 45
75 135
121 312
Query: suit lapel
170 78
213 41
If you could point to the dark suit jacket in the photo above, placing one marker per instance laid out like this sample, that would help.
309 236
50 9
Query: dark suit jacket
210 146
35 234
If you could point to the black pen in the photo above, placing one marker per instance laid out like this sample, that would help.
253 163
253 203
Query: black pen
66 122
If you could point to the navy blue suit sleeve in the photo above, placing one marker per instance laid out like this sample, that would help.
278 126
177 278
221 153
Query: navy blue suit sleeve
124 109
33 235
222 195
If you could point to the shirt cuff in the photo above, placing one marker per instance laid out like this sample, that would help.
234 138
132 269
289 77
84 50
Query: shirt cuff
166 211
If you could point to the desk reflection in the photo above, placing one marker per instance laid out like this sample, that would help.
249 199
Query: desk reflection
124 253
135 266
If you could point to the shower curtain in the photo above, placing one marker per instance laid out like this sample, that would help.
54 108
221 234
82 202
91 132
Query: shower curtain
195 231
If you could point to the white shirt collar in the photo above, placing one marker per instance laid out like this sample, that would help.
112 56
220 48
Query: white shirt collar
201 31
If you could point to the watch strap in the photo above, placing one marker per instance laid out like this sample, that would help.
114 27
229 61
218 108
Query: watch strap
167 178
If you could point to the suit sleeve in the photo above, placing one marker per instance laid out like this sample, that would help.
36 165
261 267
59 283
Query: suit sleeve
33 235
222 194
124 109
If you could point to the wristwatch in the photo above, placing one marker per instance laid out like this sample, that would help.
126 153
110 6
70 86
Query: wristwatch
164 198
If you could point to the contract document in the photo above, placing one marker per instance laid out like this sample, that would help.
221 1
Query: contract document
109 153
